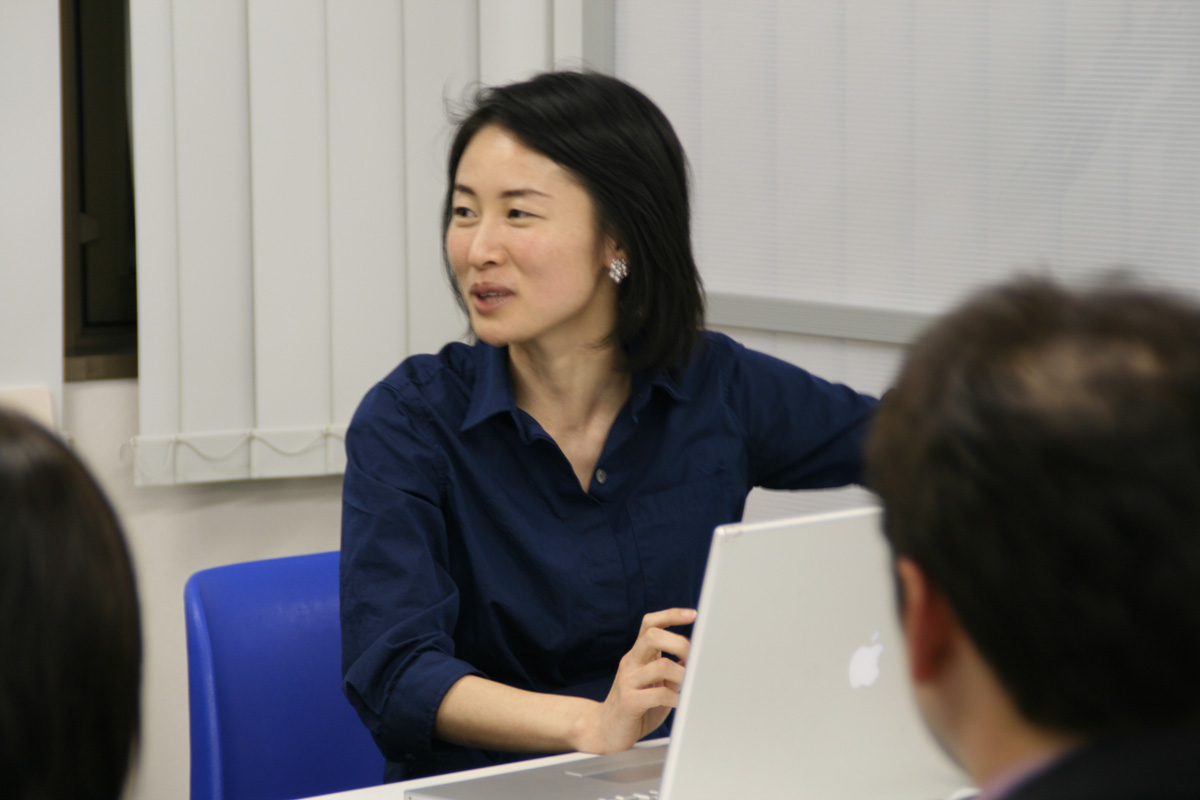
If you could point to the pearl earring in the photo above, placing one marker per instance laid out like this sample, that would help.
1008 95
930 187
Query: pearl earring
618 268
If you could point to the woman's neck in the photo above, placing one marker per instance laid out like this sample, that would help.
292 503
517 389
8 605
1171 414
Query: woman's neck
574 396
569 386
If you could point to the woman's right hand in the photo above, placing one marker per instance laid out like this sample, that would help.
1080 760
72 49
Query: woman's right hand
645 689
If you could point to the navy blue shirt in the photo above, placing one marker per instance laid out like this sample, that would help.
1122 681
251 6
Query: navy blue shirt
470 548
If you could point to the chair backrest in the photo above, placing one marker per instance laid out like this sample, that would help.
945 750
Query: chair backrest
268 718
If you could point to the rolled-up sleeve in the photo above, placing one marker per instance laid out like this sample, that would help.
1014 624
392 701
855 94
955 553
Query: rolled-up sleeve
399 605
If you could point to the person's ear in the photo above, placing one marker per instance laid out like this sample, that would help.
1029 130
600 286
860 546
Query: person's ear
928 622
613 250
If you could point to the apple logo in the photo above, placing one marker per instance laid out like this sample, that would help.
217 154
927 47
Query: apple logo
864 664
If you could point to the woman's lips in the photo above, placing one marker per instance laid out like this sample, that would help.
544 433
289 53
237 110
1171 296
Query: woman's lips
489 298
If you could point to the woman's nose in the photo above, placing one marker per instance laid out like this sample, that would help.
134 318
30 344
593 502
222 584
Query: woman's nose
486 248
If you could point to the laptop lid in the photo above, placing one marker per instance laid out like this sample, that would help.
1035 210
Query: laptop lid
800 681
796 683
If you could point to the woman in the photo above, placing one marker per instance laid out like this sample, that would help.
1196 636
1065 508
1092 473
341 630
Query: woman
71 675
526 519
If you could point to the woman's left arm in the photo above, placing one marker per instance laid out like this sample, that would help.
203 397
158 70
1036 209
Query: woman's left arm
803 432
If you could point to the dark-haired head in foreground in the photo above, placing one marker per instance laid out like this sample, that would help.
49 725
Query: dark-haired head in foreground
622 150
70 672
1039 465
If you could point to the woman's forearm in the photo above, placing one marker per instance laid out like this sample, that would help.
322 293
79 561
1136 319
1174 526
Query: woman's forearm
478 712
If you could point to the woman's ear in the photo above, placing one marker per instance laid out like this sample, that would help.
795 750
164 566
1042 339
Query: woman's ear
929 624
613 250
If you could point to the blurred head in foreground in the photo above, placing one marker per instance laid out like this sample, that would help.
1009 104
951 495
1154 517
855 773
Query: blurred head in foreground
70 672
1039 466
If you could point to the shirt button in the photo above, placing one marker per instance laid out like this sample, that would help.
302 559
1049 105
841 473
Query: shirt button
601 476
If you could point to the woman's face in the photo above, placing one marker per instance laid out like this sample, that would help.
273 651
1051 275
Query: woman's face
524 245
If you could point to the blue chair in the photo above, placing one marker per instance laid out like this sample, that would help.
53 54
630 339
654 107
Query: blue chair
268 718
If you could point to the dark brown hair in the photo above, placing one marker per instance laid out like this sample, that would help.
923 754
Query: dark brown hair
1039 457
71 670
624 152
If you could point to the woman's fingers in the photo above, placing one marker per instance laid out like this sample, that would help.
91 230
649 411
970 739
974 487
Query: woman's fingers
646 686
655 643
645 666
668 618
654 640
662 672
659 697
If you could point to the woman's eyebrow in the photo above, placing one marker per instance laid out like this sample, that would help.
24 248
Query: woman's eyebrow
460 188
523 193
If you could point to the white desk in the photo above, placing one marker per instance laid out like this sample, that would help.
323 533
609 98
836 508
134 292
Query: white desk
395 791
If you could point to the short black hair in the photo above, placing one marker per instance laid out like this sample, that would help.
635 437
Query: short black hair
1039 457
622 149
70 675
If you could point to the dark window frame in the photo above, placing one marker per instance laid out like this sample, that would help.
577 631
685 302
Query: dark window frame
99 279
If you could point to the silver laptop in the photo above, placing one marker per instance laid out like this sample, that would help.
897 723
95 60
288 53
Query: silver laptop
796 684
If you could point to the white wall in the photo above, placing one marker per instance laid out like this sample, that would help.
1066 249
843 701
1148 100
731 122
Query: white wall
174 531
31 232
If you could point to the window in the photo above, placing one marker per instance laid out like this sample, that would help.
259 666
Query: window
100 286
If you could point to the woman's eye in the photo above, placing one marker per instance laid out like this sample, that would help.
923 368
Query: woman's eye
461 211
516 213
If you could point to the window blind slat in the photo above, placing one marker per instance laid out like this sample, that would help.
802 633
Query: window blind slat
152 74
811 226
515 39
212 124
289 148
441 58
879 151
366 200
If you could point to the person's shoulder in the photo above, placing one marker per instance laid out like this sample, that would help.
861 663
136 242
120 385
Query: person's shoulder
455 361
436 377
712 350
720 346
742 371
731 356
715 354
426 379
713 364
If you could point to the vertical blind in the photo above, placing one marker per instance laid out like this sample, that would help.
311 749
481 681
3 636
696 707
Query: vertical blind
895 154
854 161
288 173
860 165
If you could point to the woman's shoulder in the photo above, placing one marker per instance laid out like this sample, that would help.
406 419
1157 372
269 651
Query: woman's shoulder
455 360
427 379
738 370
721 345
719 351
715 353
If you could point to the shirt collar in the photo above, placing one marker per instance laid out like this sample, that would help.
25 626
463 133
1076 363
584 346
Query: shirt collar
645 381
493 394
